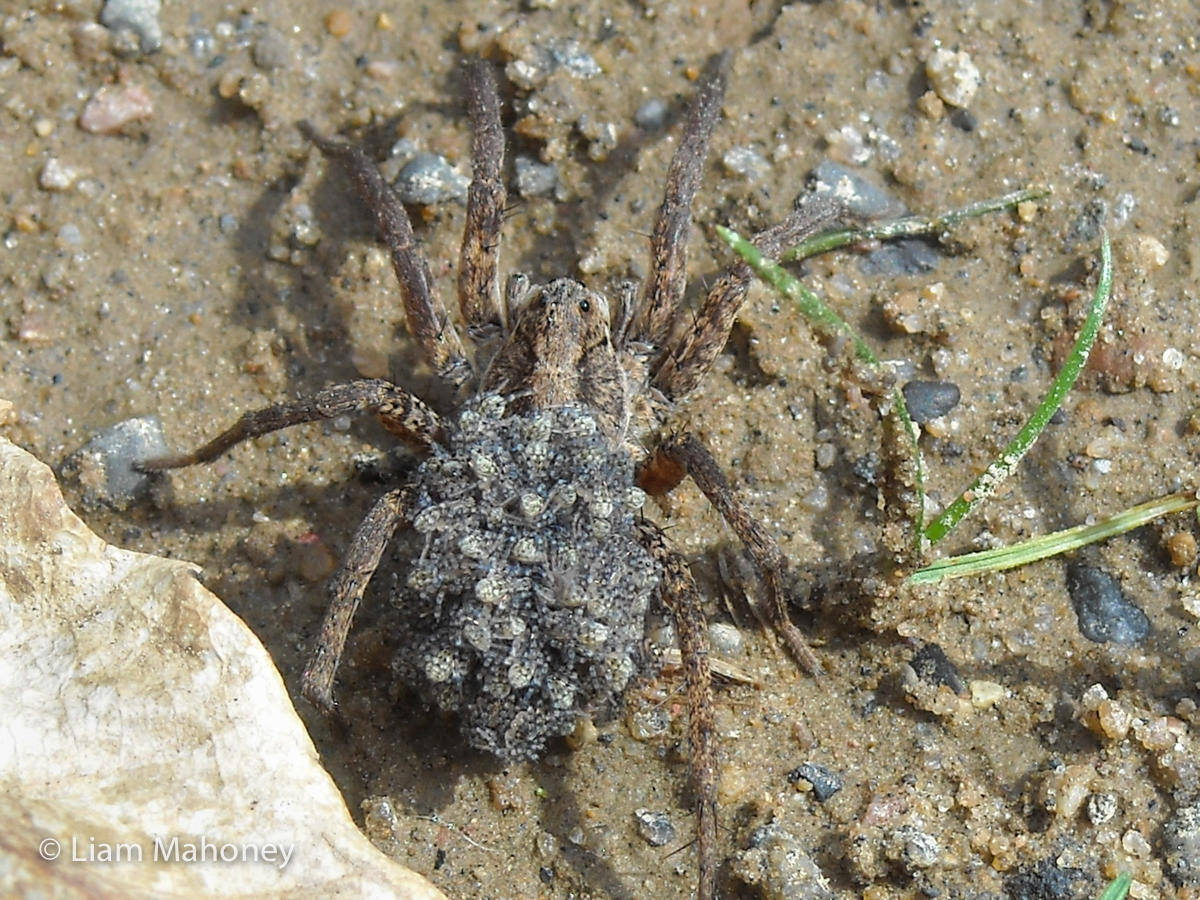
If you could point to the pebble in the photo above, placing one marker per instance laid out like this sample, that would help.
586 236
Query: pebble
428 179
651 115
860 197
534 179
1182 550
271 50
1104 612
1044 881
726 639
138 16
930 399
953 76
746 162
654 827
1181 846
1101 807
913 849
933 667
864 200
825 782
103 467
57 175
777 864
648 724
338 23
113 106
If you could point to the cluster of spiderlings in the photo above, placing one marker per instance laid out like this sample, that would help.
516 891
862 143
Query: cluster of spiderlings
524 600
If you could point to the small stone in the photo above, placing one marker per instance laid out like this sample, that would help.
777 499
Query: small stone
726 639
1104 612
1113 719
777 864
338 23
913 849
825 782
860 196
1181 548
104 466
1150 252
271 50
114 106
651 115
57 175
1044 881
534 179
930 399
746 162
985 694
933 667
654 827
428 178
953 76
648 724
138 16
1101 808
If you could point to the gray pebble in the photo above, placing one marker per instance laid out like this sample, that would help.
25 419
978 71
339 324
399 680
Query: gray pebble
534 179
858 195
1181 845
726 639
907 257
271 51
1046 880
654 827
825 782
933 667
138 16
651 115
103 467
1104 612
913 849
777 863
864 200
930 399
428 178
1087 224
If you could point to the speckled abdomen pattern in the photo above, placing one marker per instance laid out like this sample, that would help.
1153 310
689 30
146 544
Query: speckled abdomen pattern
524 601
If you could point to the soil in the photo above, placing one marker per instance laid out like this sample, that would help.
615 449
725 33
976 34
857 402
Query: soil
199 262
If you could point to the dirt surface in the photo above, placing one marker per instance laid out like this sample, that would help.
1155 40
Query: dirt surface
198 262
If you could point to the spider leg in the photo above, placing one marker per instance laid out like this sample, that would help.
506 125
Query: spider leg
346 590
687 361
683 599
683 454
668 244
478 281
400 412
427 319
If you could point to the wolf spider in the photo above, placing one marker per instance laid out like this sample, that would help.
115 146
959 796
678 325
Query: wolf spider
532 570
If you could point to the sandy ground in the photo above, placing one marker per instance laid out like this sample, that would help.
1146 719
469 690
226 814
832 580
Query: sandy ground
198 262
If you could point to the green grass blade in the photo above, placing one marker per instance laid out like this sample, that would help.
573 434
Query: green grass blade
986 484
911 226
1054 544
826 321
1118 888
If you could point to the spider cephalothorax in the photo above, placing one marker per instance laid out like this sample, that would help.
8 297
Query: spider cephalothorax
529 570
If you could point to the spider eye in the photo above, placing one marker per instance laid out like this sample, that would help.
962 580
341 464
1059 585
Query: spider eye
584 305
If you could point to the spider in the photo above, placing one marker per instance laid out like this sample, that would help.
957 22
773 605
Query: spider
531 571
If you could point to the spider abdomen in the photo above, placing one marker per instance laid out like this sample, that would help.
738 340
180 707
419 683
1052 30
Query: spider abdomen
524 590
